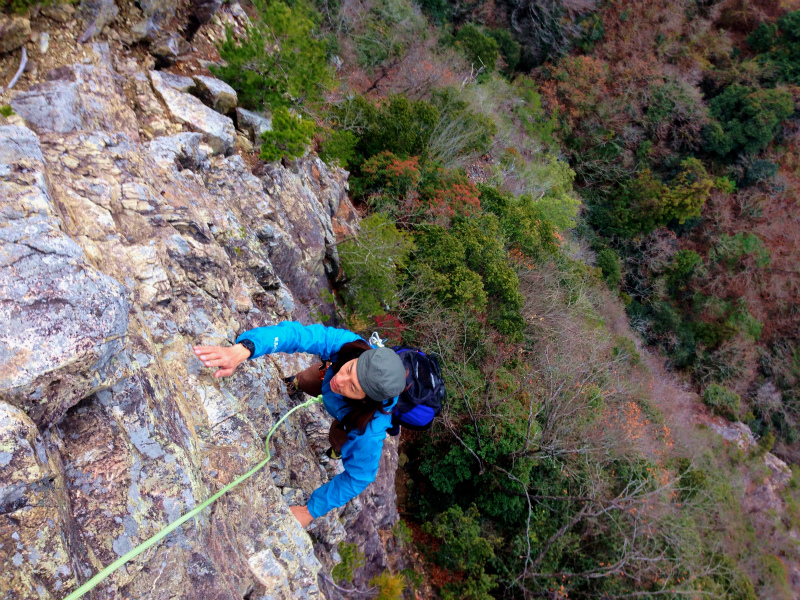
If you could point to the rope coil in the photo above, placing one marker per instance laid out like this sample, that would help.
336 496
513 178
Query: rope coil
94 581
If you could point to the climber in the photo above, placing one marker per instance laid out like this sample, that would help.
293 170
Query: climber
359 390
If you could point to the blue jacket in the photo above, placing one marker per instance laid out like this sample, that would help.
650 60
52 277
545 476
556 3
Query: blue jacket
361 453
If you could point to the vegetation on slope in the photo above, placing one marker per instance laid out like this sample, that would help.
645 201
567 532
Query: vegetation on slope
551 472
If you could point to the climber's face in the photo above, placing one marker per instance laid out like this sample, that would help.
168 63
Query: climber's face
345 382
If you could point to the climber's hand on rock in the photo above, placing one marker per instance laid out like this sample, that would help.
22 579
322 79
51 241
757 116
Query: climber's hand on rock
227 359
301 514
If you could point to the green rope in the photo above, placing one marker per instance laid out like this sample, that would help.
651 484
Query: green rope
92 583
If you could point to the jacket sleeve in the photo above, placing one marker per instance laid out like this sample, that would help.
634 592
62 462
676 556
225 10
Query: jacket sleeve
291 336
361 456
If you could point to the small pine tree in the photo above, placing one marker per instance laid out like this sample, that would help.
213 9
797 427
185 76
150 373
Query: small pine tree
288 138
279 61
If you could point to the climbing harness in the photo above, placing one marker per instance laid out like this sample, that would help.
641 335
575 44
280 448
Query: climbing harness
94 581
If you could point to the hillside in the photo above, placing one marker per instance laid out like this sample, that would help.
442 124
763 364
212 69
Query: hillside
585 209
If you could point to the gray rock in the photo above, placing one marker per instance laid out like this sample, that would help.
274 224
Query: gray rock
60 12
202 11
157 14
44 42
80 97
178 82
49 292
218 131
253 123
35 512
216 93
182 151
96 14
14 32
167 48
237 12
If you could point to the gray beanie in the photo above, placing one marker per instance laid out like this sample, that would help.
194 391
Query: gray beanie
381 373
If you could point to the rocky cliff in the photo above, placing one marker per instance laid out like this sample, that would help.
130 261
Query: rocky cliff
130 230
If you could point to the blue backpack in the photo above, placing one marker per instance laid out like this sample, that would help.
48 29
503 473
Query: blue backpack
422 399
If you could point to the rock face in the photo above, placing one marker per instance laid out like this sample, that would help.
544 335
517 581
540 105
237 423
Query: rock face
218 131
63 320
119 251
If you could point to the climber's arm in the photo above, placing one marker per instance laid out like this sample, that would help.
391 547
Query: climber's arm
361 456
290 336
284 337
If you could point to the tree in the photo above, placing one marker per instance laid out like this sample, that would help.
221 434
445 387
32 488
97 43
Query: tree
481 49
746 119
646 202
279 62
779 45
288 137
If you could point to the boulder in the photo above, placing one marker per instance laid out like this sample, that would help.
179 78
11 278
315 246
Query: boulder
216 93
253 123
178 82
218 130
60 12
14 32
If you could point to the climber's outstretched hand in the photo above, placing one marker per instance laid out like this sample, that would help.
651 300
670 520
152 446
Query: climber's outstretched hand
301 514
226 358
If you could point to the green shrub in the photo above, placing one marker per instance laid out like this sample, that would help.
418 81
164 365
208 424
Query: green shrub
402 533
591 31
693 480
21 6
746 119
731 249
774 575
390 586
766 442
279 62
480 49
485 254
339 148
463 548
608 262
680 271
440 264
722 401
389 28
459 130
509 48
531 113
373 264
288 138
399 125
352 560
645 203
524 224
6 111
779 45
438 10
757 171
